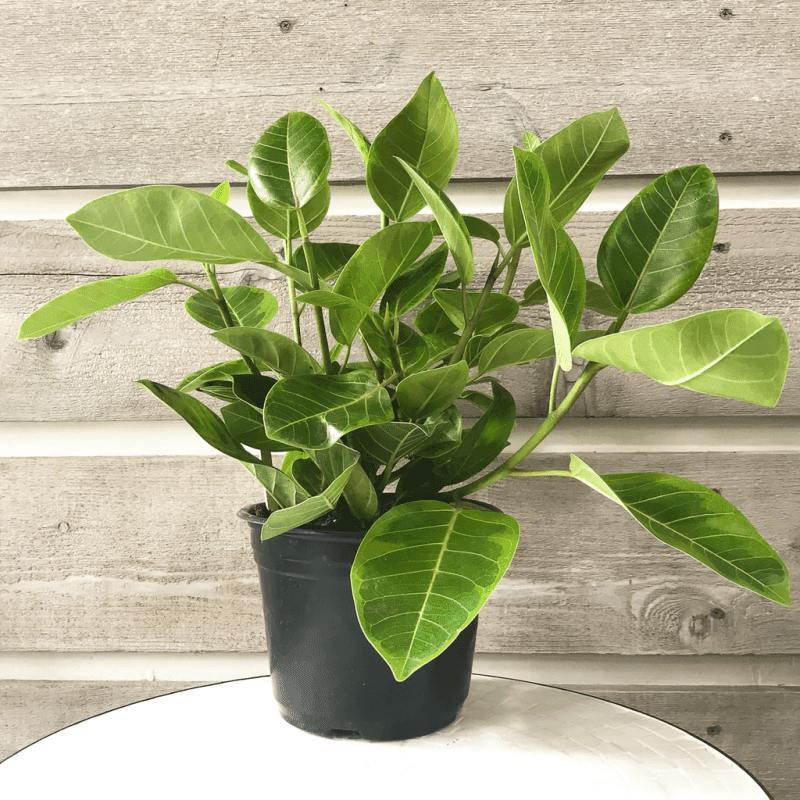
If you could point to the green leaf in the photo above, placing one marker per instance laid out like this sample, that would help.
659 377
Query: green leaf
412 351
732 352
246 425
280 488
223 371
425 135
500 309
83 301
282 222
480 229
598 300
516 347
383 256
329 258
352 130
513 219
299 466
314 411
433 321
252 389
578 156
423 572
535 295
425 393
236 166
698 521
440 345
290 161
220 389
530 141
222 192
444 433
168 223
655 249
202 419
557 260
325 298
359 493
277 351
250 307
388 442
412 287
450 280
450 221
287 519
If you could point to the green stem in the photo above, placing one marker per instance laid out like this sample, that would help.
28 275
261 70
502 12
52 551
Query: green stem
534 473
287 245
376 367
346 357
590 370
512 272
318 315
553 389
394 353
199 289
384 220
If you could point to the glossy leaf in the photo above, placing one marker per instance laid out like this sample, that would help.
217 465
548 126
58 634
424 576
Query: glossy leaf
388 442
385 255
425 135
412 352
222 192
359 492
597 299
83 301
314 411
432 320
329 258
500 309
246 425
304 471
222 371
286 519
202 419
250 307
252 389
168 223
283 222
516 347
423 572
530 141
219 389
450 280
656 248
280 489
351 129
450 221
440 345
425 393
412 287
290 161
732 352
325 298
695 520
236 166
281 354
444 433
535 295
513 219
557 260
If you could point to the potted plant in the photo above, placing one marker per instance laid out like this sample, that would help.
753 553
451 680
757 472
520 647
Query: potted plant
372 596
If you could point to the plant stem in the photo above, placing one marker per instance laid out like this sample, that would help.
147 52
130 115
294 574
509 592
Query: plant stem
512 272
288 257
384 220
312 271
377 369
219 298
553 389
590 370
199 289
346 357
533 473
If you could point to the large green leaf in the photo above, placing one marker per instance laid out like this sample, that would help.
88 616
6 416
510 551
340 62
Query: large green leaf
359 492
425 135
290 161
83 301
314 411
385 255
202 419
423 572
451 223
597 299
698 521
425 393
246 425
287 519
281 353
329 258
222 371
280 488
412 351
444 433
516 347
252 389
283 222
433 321
557 259
388 442
351 129
656 248
250 307
168 223
732 352
412 287
499 310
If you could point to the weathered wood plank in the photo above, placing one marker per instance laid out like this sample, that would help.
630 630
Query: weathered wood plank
90 561
138 93
86 371
756 726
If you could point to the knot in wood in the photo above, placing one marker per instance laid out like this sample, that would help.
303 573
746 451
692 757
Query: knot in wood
726 137
285 25
713 730
726 13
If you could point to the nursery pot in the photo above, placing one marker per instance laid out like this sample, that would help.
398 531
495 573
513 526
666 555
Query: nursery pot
326 676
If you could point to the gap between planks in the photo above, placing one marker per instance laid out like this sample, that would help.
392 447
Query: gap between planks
613 193
590 669
573 434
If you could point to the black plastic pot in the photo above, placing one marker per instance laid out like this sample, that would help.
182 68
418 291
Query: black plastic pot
327 677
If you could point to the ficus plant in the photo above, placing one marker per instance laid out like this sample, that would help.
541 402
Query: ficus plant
401 336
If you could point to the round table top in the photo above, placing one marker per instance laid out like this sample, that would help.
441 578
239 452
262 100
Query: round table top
512 738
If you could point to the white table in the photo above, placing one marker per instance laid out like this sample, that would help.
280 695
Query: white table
512 739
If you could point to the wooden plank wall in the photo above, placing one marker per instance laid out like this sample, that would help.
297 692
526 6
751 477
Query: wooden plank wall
143 556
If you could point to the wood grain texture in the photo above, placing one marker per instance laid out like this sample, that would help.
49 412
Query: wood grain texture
146 554
136 92
87 370
756 726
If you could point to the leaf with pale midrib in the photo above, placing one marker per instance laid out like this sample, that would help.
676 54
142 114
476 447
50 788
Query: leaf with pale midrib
250 306
282 354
